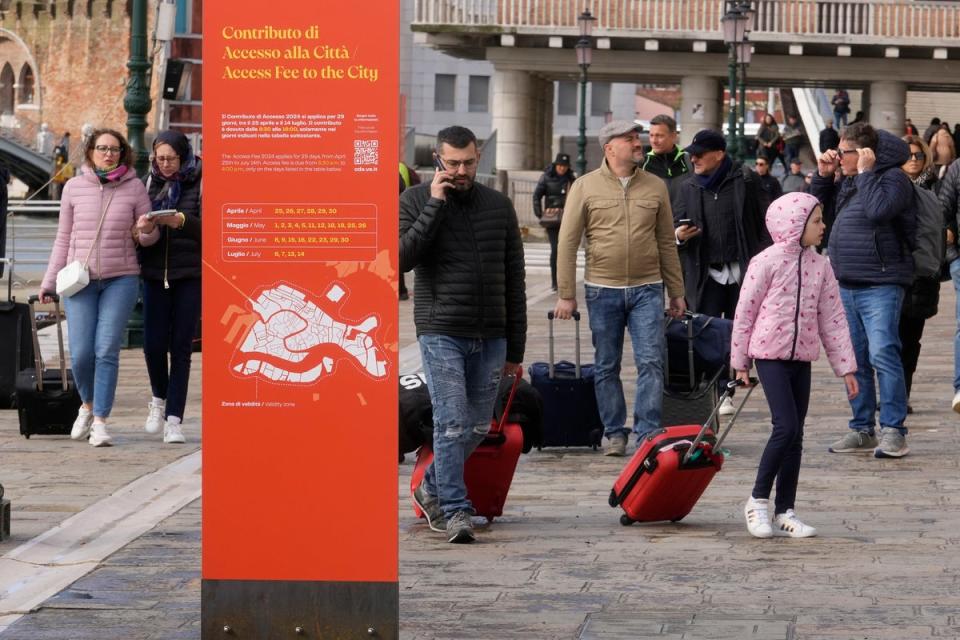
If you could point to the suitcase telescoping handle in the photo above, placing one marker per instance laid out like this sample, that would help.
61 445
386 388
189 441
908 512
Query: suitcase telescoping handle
576 359
728 392
38 358
498 428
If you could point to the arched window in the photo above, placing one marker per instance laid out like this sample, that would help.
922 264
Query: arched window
26 83
6 90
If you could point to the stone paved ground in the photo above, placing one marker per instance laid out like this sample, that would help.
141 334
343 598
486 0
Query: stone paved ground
559 565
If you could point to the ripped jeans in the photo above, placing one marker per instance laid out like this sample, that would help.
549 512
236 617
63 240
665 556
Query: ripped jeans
463 375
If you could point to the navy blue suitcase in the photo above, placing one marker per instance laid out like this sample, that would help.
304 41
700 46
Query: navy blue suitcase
570 415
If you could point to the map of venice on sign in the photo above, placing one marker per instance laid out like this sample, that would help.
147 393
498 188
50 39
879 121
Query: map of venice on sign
293 331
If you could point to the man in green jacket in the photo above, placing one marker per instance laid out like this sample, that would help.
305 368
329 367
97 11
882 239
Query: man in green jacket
631 256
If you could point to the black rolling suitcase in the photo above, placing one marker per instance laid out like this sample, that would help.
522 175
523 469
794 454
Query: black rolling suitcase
47 400
698 355
16 348
570 414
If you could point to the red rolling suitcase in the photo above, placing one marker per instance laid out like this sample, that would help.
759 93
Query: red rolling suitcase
489 469
671 469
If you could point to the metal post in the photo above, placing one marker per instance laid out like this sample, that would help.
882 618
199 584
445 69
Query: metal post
742 132
582 136
732 149
136 102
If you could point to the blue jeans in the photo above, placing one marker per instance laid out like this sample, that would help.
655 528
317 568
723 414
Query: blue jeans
955 276
463 375
873 314
169 325
639 310
840 119
96 318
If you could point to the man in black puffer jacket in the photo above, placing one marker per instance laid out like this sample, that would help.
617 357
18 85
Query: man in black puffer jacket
463 242
872 260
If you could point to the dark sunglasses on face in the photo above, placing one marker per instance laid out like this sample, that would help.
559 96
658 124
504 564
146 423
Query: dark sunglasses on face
919 156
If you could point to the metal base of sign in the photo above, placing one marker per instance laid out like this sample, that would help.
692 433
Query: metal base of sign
4 518
258 609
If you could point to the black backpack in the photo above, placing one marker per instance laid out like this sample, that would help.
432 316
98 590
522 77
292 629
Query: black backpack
929 245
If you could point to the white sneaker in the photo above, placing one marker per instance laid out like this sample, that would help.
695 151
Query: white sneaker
758 519
956 402
173 433
81 426
99 436
726 407
155 418
788 525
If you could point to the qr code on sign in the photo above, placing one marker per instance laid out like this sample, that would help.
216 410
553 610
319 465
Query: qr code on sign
366 152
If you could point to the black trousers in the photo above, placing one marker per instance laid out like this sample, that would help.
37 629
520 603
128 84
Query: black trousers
719 300
169 324
911 330
787 387
553 233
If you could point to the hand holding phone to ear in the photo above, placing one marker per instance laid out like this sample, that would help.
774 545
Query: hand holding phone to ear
442 180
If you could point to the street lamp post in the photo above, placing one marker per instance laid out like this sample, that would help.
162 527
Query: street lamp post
734 24
136 102
744 55
584 54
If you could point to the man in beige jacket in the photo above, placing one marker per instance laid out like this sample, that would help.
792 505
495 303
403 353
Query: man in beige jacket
631 256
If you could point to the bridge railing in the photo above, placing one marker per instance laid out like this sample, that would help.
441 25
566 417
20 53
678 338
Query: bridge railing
847 21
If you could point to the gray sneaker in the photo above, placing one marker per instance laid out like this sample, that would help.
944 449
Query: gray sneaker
616 445
431 509
893 444
854 442
460 528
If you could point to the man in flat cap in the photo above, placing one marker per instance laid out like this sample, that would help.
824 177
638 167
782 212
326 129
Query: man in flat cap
719 217
631 257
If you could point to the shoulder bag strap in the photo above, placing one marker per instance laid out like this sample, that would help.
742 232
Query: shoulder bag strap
96 238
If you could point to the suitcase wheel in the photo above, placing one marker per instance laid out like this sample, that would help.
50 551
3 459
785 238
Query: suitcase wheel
625 520
612 500
27 436
677 519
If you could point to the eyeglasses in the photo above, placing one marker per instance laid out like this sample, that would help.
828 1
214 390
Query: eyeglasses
104 149
167 159
453 165
843 152
919 156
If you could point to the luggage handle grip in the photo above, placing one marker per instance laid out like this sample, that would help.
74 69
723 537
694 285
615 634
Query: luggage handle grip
36 298
733 384
550 356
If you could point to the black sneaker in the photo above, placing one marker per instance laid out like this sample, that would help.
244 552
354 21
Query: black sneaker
431 509
460 528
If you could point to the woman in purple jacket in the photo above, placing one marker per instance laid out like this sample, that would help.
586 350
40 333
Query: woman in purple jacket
102 218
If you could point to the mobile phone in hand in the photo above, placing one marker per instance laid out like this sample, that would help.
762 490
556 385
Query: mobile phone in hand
685 221
438 164
161 212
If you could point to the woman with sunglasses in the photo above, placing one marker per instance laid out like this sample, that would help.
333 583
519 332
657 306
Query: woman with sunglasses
102 219
920 300
171 282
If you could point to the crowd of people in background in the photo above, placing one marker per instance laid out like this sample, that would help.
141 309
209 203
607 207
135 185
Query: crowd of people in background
715 231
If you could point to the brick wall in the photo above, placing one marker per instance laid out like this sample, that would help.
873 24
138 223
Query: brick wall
80 49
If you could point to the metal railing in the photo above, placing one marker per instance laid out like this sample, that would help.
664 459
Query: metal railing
905 21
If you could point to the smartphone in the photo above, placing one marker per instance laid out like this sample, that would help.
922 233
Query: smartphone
161 212
438 164
685 221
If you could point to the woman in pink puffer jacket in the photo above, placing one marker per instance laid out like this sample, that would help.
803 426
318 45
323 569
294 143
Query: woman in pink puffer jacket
107 195
789 303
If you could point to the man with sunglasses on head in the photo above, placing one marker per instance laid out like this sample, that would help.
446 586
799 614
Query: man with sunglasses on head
463 242
874 203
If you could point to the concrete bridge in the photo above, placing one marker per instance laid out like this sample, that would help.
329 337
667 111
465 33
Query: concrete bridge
884 47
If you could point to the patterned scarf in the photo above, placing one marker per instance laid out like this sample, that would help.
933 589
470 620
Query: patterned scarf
111 174
169 194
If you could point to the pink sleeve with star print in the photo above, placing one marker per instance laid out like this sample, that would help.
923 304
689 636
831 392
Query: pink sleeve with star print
834 331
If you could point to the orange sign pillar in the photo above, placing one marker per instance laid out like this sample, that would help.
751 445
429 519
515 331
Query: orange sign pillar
300 115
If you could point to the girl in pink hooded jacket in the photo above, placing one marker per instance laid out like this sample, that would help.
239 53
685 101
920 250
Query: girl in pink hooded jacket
789 303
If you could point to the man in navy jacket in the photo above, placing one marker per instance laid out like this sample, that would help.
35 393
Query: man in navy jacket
874 204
